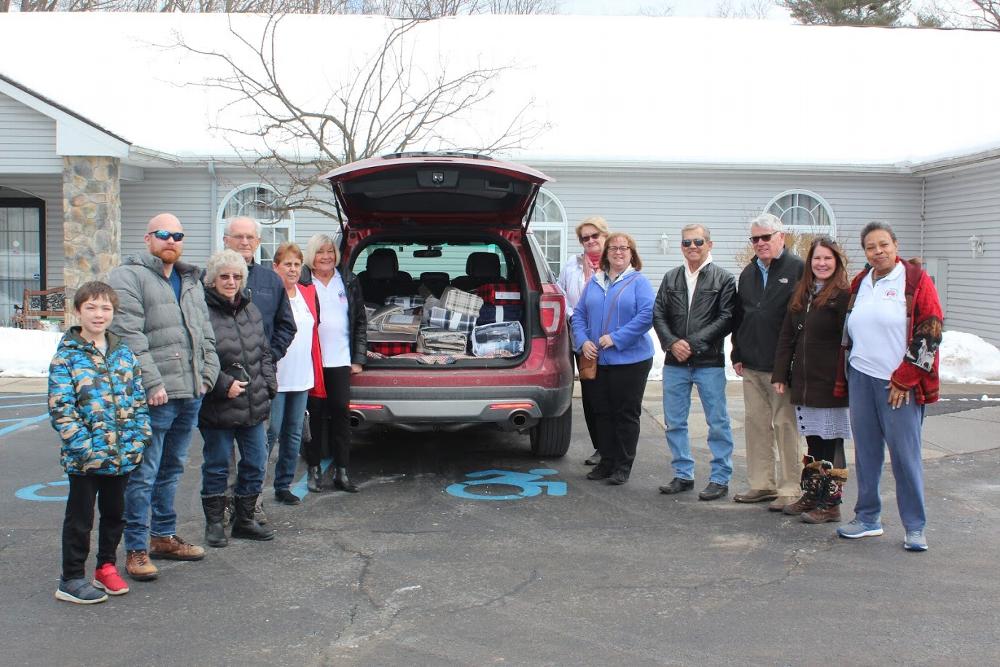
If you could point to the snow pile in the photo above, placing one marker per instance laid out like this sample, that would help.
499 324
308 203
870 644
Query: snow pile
25 353
967 358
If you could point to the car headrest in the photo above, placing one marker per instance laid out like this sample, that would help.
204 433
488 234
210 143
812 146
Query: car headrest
382 264
483 265
429 277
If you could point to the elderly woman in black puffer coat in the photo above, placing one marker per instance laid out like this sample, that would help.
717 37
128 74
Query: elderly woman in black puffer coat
239 403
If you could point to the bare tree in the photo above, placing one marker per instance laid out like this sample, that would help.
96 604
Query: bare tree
746 9
656 10
389 105
410 9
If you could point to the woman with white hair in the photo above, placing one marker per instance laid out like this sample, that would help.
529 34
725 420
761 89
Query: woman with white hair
343 343
592 233
239 403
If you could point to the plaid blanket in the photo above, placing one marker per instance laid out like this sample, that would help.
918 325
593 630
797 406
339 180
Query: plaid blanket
500 293
440 318
489 339
489 314
407 303
441 341
379 317
461 302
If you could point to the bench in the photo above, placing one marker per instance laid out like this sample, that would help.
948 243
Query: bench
39 305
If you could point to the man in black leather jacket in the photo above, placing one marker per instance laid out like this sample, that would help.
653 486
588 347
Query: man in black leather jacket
692 315
765 286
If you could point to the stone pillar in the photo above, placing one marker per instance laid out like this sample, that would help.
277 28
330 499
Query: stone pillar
92 220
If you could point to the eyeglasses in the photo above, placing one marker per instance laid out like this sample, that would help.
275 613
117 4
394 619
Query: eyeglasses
763 237
698 242
242 238
618 248
163 235
591 237
230 276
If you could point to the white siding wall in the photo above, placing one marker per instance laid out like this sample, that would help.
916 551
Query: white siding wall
183 192
49 189
961 204
27 140
647 203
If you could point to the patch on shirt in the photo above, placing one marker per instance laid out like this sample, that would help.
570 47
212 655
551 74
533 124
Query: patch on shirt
783 280
891 293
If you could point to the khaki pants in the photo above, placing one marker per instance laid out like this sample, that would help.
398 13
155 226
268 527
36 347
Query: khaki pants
770 430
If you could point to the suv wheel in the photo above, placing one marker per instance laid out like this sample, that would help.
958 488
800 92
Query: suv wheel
550 436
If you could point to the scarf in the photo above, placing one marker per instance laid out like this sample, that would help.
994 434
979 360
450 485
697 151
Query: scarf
590 264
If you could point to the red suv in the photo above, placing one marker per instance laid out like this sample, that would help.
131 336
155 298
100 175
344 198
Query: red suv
416 224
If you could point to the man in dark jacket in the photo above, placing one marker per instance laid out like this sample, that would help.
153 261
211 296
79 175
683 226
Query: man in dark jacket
263 285
765 286
163 319
692 315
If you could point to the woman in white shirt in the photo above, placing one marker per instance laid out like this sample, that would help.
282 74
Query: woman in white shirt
295 374
592 233
342 349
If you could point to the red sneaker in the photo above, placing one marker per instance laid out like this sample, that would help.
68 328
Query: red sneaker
106 578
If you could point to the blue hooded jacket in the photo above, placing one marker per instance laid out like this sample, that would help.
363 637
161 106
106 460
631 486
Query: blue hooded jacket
628 323
98 406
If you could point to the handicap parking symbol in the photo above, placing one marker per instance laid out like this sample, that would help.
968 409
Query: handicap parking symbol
532 483
33 492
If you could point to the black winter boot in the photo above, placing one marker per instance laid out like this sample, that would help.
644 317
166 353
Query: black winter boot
341 481
245 526
215 530
315 483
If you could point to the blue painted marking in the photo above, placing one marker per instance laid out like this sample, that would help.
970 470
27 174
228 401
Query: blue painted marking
531 483
27 421
301 487
31 492
21 405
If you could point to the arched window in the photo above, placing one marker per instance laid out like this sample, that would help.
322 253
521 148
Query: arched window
803 212
548 223
262 203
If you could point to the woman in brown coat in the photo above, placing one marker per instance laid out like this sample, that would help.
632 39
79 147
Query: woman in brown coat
805 364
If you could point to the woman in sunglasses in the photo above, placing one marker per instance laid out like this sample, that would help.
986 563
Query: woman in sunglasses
611 324
577 270
239 403
805 365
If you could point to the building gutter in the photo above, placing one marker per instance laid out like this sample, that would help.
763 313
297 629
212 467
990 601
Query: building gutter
213 199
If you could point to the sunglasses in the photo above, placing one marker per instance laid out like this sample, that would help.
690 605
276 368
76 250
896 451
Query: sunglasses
584 239
698 242
163 235
763 237
230 276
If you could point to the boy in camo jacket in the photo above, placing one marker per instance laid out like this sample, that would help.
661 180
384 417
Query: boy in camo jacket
98 406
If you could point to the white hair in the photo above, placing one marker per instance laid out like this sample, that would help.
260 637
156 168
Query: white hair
230 221
316 242
225 259
771 223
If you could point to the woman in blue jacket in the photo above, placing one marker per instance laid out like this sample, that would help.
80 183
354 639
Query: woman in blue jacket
612 322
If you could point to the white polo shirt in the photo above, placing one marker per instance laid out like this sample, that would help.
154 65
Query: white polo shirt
295 369
334 337
877 324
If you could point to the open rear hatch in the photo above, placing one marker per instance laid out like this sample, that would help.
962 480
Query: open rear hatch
437 189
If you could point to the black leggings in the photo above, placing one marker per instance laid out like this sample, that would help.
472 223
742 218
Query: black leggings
615 400
109 492
831 450
329 419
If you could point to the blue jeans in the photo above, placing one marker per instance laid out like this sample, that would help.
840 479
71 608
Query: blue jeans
711 383
288 411
876 425
149 496
252 443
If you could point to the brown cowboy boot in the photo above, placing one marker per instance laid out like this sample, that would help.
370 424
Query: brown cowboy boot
831 492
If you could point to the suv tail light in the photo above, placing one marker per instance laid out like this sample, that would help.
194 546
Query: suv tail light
550 309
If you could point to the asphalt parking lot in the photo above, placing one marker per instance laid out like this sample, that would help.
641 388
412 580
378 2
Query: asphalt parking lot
428 565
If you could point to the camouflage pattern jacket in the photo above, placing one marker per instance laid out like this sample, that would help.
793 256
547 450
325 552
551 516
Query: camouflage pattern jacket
98 406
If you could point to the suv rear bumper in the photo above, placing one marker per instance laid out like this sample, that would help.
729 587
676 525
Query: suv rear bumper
511 408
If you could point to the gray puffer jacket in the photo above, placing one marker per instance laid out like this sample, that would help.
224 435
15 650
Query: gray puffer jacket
172 340
245 355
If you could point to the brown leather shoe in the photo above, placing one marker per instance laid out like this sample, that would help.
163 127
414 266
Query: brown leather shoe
138 566
822 515
780 503
174 548
755 496
803 504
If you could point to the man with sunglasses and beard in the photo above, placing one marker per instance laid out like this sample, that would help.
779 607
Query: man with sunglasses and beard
692 315
164 319
765 287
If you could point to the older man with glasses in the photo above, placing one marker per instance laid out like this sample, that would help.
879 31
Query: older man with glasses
765 287
692 315
163 318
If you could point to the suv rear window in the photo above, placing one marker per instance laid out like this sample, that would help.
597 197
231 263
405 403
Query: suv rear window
452 260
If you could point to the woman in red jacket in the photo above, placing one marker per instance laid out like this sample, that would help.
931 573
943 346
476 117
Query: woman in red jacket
893 333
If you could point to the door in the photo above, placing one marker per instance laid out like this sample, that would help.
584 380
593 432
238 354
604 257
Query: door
22 225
